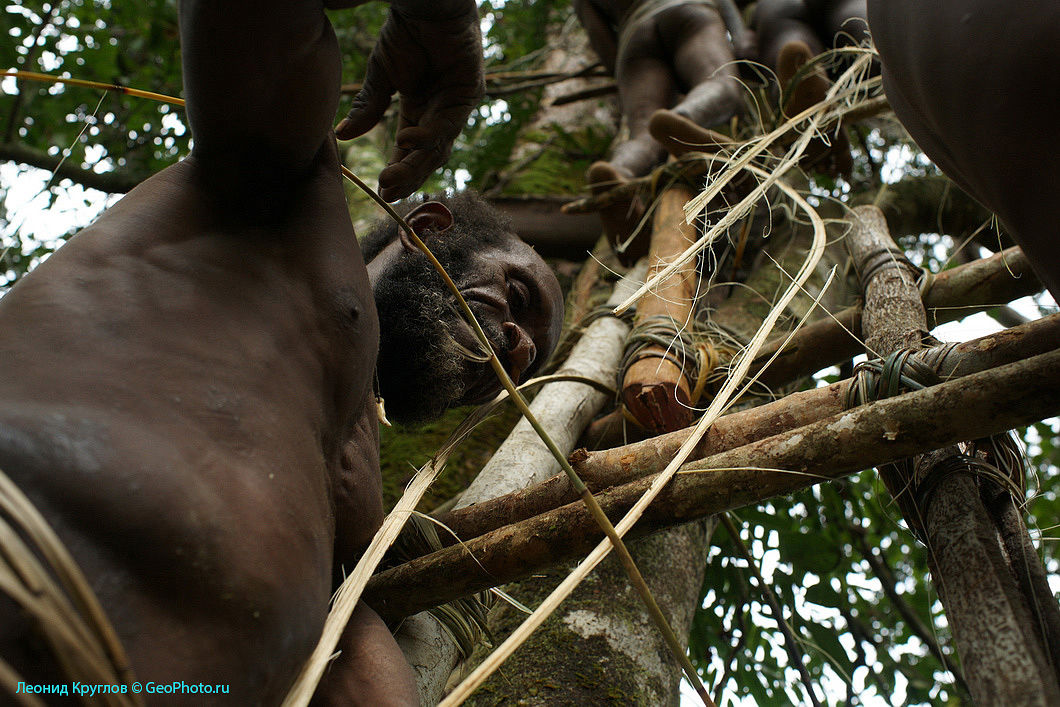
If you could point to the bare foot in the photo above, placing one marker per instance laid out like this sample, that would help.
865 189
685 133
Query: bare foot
811 89
680 135
621 219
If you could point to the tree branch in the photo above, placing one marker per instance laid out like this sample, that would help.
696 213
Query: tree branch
990 402
951 295
110 182
611 467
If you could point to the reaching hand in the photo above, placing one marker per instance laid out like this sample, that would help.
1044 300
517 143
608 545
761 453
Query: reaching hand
436 67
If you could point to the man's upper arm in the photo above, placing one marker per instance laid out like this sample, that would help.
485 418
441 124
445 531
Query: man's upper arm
261 81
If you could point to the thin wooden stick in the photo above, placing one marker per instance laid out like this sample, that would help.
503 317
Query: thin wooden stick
791 643
118 88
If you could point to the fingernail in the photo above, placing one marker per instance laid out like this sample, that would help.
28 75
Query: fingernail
343 124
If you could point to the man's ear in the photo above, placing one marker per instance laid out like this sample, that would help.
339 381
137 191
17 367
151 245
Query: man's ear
427 220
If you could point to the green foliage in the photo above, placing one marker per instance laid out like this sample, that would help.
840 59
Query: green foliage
812 550
851 616
558 165
131 44
402 451
514 36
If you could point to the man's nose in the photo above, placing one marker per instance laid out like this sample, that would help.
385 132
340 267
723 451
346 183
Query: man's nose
521 350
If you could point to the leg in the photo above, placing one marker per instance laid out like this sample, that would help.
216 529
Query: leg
370 670
789 42
680 135
645 84
786 42
780 22
703 61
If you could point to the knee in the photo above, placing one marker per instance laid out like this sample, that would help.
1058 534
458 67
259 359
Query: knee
370 668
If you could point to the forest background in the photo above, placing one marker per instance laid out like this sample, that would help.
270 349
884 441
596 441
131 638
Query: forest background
852 582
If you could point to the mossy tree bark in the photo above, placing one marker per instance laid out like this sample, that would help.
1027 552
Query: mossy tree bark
1001 632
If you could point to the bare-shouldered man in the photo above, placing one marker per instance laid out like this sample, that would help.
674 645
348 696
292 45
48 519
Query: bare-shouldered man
185 390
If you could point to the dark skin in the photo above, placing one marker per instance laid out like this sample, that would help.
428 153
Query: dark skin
509 288
968 81
675 67
818 24
187 384
789 34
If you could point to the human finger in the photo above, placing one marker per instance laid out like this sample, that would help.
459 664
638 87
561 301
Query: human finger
369 104
403 177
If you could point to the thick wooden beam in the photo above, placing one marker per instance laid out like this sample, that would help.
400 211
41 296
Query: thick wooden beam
655 389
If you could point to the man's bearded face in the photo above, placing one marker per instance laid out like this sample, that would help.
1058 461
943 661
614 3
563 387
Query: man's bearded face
424 366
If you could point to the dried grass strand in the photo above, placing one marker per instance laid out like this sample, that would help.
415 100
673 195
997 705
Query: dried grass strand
551 603
837 102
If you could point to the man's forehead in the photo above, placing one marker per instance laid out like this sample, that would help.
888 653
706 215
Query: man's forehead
506 244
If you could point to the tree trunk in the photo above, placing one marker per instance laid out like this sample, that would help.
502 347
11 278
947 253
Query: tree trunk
600 647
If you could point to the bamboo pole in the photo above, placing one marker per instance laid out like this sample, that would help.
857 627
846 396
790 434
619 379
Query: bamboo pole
655 389
992 401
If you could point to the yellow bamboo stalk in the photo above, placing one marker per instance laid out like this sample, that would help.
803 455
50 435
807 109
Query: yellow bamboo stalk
118 88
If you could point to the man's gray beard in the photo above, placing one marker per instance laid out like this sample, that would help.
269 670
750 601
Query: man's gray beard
421 371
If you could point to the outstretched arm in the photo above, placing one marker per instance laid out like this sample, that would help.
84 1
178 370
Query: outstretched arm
261 80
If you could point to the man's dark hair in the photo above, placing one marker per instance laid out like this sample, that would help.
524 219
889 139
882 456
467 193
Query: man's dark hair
471 215
419 374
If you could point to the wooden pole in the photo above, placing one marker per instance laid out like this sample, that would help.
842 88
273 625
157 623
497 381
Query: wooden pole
612 467
990 402
994 627
656 390
952 294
